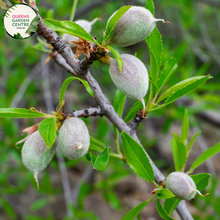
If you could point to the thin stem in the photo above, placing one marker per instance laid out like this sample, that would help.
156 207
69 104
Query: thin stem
156 184
117 146
73 10
118 156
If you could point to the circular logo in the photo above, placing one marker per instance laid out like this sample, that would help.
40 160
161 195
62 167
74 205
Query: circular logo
20 21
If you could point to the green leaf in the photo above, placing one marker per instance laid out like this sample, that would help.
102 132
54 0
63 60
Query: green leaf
182 88
155 44
96 145
201 180
132 112
66 83
150 6
50 14
162 212
164 194
33 25
185 127
117 57
179 152
40 203
136 157
99 162
135 211
40 47
118 105
20 113
47 129
205 156
109 31
171 204
192 142
69 27
8 209
169 69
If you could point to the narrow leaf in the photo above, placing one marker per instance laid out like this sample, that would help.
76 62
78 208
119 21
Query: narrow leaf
179 153
109 31
164 194
66 83
96 145
117 57
20 113
100 162
205 156
185 127
136 157
135 211
182 88
47 129
155 44
171 204
132 112
201 180
33 25
162 212
69 27
150 6
169 69
192 142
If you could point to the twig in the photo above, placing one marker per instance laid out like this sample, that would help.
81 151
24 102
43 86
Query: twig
85 178
61 162
62 62
60 46
23 87
88 112
210 116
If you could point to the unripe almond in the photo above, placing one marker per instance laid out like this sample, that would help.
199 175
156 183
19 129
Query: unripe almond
74 139
181 185
134 26
35 154
133 80
86 25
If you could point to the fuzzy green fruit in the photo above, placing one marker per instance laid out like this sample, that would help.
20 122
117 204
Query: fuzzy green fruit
181 185
74 139
133 80
134 26
35 154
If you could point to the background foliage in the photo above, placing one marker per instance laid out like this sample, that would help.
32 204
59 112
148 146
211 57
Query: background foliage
192 38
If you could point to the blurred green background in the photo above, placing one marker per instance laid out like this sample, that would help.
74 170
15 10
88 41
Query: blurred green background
192 37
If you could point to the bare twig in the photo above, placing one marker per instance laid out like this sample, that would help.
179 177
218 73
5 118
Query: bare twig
85 178
62 62
88 112
78 67
61 162
23 87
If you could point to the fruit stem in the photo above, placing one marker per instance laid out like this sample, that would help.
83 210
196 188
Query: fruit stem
143 102
116 156
35 177
196 190
165 22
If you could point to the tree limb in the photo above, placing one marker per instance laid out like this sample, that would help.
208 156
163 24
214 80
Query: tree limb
78 67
